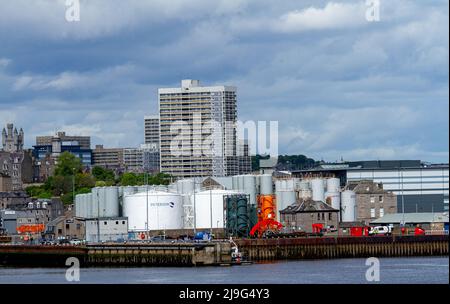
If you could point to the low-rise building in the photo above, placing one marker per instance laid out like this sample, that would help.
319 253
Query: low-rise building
13 200
106 229
305 213
65 227
372 201
427 220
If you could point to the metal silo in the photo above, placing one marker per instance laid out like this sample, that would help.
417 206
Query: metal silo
333 199
266 187
164 211
333 185
87 202
235 182
209 208
317 190
348 204
93 207
77 205
250 188
241 182
111 202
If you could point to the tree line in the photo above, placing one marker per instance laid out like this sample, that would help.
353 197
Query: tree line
70 178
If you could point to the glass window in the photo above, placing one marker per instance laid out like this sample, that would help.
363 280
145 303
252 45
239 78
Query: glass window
372 212
381 212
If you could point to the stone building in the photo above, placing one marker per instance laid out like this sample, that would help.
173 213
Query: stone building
306 212
372 201
13 200
15 162
65 226
5 183
12 140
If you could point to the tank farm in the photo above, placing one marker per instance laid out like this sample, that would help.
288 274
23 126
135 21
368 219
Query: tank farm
243 213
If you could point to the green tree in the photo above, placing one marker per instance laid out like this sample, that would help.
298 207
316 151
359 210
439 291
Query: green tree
102 174
68 164
84 180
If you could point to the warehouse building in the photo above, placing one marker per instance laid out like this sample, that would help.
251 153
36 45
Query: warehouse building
419 186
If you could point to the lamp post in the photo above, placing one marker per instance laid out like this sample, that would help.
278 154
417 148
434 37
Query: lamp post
73 185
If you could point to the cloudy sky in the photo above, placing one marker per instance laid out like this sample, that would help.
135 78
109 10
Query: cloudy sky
339 86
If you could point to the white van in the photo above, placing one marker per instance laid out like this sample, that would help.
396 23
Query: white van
380 230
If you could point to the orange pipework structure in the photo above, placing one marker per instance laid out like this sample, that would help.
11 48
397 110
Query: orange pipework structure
266 207
35 228
266 215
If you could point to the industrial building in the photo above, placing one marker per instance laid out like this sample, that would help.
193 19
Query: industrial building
436 221
419 186
106 230
198 130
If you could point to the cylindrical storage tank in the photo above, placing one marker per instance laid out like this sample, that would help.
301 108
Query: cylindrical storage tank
128 190
333 185
266 186
304 185
165 211
78 205
241 182
94 206
87 201
317 187
235 182
289 184
250 187
305 194
279 185
209 208
284 199
348 205
188 186
333 199
112 202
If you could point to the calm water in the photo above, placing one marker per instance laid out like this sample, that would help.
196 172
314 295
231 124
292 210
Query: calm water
393 270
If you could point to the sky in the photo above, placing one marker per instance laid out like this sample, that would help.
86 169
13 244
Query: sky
340 86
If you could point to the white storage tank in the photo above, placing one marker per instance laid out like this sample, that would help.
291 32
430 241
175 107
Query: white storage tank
333 199
111 206
87 201
93 207
250 187
284 199
333 185
165 211
266 185
235 182
317 187
348 204
209 208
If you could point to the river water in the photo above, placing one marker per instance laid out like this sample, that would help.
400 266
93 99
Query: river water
426 270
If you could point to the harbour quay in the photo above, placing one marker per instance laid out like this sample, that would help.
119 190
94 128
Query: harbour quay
343 247
154 254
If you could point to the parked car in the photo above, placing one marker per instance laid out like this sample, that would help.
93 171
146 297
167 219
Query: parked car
76 242
64 242
380 230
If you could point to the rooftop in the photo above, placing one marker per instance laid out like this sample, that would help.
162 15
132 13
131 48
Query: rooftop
307 206
375 165
426 217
